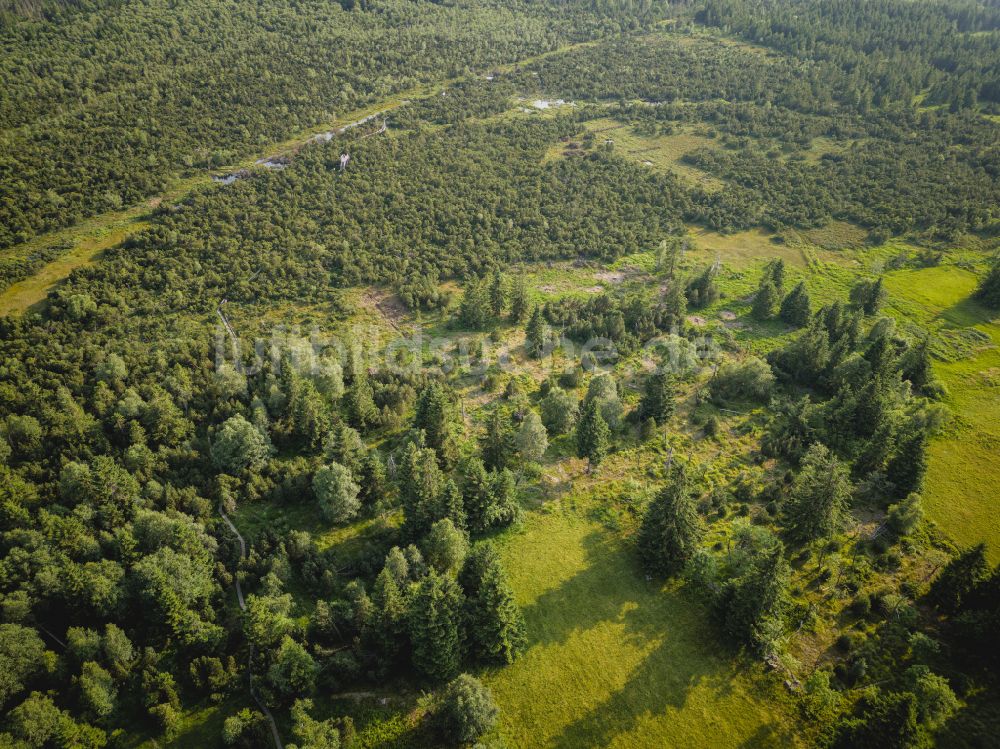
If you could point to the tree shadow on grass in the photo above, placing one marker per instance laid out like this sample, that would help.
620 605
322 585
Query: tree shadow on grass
669 624
608 585
966 313
684 659
769 735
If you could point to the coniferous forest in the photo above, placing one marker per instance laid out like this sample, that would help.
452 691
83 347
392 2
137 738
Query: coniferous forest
397 373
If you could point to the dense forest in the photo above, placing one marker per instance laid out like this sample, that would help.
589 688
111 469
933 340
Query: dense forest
103 102
774 466
889 51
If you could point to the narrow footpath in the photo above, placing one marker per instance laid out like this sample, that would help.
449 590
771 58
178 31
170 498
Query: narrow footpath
243 607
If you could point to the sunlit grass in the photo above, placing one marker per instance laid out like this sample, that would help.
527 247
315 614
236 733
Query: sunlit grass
963 484
615 660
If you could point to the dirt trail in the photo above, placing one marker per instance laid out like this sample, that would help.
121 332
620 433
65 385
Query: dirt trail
237 359
98 233
243 607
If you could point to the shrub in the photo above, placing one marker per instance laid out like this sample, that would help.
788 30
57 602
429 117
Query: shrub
750 379
861 605
466 710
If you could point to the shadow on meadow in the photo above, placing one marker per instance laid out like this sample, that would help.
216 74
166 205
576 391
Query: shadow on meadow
600 592
682 649
966 312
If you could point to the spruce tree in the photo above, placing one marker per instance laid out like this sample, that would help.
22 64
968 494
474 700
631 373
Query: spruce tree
752 604
536 333
869 296
671 529
359 401
477 495
388 623
532 439
916 367
494 620
373 479
908 466
309 414
453 505
795 307
674 307
497 443
498 294
490 499
819 496
344 445
519 303
647 430
959 579
905 516
765 302
988 292
434 621
880 351
791 430
503 490
474 310
420 489
701 290
432 415
659 397
875 403
775 272
592 434
668 256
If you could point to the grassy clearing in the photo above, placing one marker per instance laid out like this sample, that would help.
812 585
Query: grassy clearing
616 661
662 152
836 235
823 145
962 485
30 291
962 482
743 248
564 279
200 727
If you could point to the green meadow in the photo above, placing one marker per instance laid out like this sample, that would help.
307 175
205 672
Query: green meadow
963 489
616 661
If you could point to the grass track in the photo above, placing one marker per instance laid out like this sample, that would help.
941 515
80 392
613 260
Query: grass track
95 234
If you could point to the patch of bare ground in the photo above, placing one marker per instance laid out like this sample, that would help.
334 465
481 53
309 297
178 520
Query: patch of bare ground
607 276
387 305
